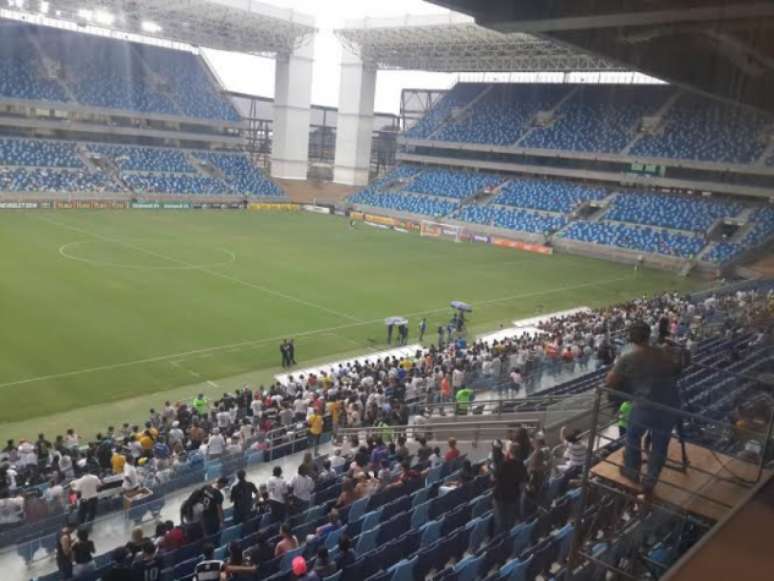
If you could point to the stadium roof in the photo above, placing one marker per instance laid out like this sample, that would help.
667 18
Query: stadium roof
455 43
243 26
722 47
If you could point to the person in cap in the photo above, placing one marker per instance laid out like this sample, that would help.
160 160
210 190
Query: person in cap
301 571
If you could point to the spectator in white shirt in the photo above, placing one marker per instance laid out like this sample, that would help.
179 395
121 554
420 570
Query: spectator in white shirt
302 487
216 445
278 490
87 487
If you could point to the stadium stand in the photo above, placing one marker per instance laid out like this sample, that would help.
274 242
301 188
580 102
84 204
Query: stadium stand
760 230
459 96
552 196
671 211
241 175
39 153
598 118
415 204
145 159
36 165
54 65
437 513
452 184
604 119
503 115
697 127
643 239
512 219
659 223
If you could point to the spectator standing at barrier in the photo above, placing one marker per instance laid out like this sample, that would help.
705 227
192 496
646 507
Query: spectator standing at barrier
87 487
243 496
649 374
509 476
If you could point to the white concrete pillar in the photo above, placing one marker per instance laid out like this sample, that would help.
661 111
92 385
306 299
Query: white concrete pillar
292 112
355 120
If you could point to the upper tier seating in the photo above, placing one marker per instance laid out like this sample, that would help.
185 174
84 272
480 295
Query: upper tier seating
554 196
147 159
598 118
602 118
49 64
402 202
503 115
452 184
671 211
513 219
38 153
639 238
459 96
194 91
240 173
22 74
697 127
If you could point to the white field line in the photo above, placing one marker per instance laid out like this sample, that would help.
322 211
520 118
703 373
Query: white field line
204 269
250 343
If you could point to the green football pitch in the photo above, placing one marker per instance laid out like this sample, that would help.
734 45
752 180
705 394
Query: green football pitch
104 314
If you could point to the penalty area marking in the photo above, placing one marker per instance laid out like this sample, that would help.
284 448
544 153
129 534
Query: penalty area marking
63 250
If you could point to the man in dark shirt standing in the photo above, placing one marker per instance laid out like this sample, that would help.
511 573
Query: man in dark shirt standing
649 374
509 477
243 496
212 501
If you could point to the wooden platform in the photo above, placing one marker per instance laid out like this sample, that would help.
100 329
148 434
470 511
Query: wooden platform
738 548
700 489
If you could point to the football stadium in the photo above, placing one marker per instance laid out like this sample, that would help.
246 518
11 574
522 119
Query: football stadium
346 291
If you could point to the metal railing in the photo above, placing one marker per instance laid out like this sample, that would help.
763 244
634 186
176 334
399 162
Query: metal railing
675 508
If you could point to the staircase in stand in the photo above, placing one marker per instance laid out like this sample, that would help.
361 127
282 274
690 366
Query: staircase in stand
660 114
463 114
552 111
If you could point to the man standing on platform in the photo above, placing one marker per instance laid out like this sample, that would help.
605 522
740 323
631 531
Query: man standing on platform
649 374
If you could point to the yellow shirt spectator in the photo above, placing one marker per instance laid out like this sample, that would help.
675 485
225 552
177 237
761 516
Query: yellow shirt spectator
117 462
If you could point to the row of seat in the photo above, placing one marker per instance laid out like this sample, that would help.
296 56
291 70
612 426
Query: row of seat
639 238
553 196
672 211
38 165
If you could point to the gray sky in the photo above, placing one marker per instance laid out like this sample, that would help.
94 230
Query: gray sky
255 75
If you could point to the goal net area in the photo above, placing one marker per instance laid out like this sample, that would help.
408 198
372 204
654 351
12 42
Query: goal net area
441 230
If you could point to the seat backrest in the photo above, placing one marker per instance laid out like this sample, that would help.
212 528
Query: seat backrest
357 509
403 570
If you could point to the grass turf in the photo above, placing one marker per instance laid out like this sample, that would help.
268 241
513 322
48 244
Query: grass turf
105 306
